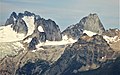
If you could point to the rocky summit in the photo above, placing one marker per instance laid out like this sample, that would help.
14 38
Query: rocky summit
31 45
22 21
90 23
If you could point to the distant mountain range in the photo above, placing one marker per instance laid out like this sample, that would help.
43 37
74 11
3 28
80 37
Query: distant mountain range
31 45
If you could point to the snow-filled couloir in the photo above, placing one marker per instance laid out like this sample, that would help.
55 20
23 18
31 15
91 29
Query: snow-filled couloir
29 20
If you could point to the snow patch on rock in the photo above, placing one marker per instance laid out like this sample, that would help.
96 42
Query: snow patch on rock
111 39
89 33
40 29
65 37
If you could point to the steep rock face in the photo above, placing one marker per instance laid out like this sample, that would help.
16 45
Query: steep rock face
28 22
51 29
20 26
90 23
87 53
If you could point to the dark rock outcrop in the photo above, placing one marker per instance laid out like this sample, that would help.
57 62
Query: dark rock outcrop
32 43
90 23
11 19
37 37
20 26
33 68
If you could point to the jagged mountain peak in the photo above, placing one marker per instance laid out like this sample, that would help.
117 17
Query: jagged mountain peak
89 23
13 15
92 23
93 15
27 13
26 23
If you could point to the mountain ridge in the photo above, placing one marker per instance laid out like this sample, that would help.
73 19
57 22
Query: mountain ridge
31 43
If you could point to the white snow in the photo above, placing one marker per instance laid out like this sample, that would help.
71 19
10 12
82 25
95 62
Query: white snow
8 35
89 33
59 42
104 57
37 49
40 29
111 39
14 19
65 37
34 50
62 42
29 20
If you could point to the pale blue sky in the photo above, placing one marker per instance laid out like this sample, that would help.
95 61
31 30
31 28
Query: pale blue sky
65 12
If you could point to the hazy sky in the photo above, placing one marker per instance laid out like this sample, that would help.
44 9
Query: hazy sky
65 12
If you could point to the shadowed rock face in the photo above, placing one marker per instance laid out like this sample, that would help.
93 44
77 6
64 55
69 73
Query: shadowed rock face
87 53
20 26
33 68
90 23
108 68
10 20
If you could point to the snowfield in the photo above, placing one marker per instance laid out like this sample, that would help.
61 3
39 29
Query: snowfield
64 41
8 35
